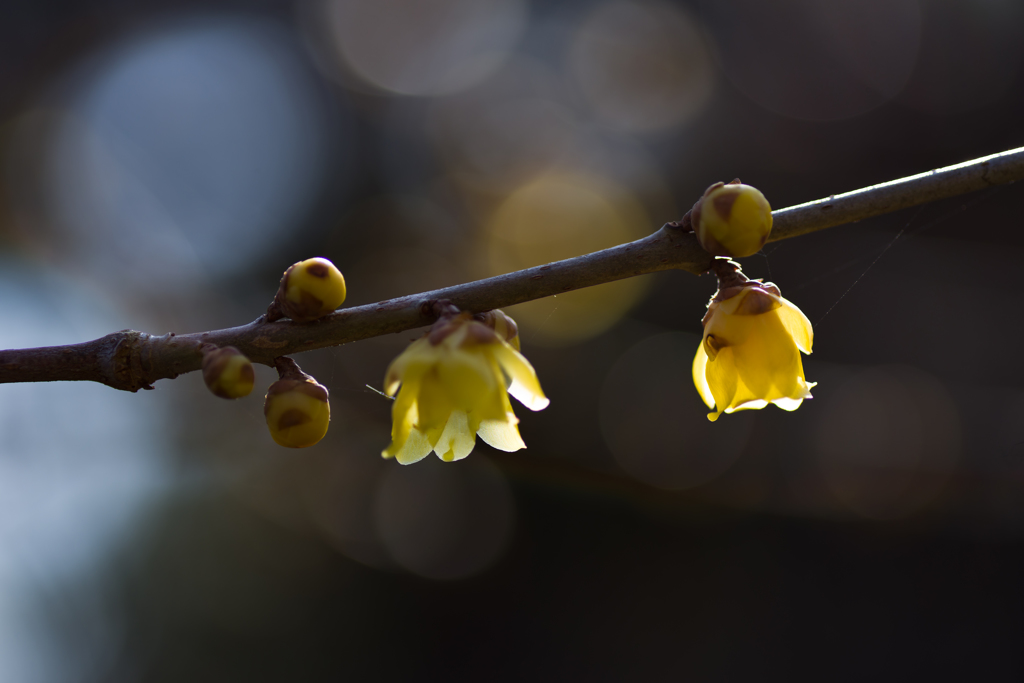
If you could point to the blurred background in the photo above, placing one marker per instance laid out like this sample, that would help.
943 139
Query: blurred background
162 164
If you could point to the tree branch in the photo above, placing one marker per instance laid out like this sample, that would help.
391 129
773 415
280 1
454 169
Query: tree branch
130 360
903 193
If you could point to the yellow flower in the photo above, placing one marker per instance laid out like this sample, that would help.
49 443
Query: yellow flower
453 387
750 354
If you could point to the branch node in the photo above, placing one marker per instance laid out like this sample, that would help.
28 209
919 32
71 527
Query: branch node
684 224
439 308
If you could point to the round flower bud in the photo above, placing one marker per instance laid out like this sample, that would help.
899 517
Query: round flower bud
227 372
297 412
732 220
309 290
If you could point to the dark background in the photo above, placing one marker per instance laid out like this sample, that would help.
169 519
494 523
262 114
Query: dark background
162 165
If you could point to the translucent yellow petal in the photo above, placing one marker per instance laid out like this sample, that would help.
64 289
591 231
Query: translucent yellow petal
525 386
755 404
502 434
700 362
769 363
408 444
419 357
403 417
432 402
743 396
726 330
797 325
469 378
456 441
433 435
494 407
789 404
722 378
793 386
415 448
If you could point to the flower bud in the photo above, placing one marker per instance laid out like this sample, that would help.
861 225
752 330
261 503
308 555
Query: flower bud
227 372
297 412
732 219
503 325
309 290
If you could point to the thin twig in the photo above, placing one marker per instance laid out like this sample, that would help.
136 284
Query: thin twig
903 193
132 360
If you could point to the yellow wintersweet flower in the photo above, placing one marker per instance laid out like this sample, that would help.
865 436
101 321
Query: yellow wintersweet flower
750 354
453 387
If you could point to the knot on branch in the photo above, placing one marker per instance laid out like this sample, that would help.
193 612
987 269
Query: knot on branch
125 360
439 308
130 360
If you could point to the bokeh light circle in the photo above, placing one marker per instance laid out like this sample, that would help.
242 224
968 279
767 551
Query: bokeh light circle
980 70
559 215
815 60
445 520
499 134
424 48
654 422
189 150
643 66
80 464
888 441
338 493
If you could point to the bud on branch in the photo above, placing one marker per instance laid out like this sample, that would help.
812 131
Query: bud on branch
131 360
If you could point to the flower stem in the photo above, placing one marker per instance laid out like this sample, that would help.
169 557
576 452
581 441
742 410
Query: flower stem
728 273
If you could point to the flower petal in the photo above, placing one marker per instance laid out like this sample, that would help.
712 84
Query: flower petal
408 444
432 403
722 380
494 406
502 434
798 326
415 448
700 362
469 378
754 404
417 357
456 442
525 385
403 418
769 363
789 404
